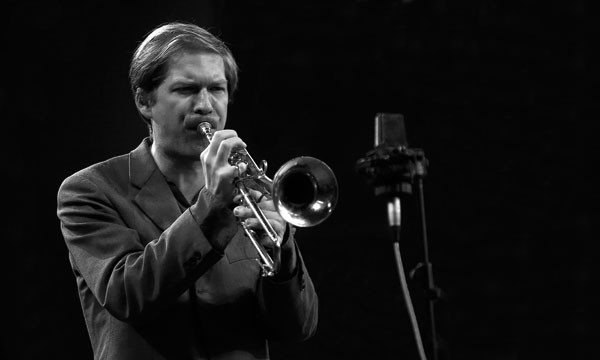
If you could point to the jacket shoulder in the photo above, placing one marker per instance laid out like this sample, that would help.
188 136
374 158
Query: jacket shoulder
113 172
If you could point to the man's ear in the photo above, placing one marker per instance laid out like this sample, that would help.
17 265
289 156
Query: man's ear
144 103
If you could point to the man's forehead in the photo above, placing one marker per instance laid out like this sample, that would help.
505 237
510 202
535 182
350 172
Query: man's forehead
190 65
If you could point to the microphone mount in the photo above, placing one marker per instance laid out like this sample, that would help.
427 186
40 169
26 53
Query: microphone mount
392 170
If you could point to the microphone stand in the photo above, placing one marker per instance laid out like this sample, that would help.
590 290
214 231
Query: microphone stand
393 171
432 292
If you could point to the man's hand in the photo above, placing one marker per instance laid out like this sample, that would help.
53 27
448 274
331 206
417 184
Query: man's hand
218 173
245 214
288 253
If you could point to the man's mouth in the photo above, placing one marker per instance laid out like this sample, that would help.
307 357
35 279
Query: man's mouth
191 123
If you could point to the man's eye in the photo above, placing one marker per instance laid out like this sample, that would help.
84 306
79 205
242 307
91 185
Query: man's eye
185 90
218 89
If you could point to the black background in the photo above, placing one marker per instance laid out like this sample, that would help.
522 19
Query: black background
497 93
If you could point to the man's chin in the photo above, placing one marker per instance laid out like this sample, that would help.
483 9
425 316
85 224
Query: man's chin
193 152
195 145
185 152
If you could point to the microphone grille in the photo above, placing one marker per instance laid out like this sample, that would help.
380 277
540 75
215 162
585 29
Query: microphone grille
389 130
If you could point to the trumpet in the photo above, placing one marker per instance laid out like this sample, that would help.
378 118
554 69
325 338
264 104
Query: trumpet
304 191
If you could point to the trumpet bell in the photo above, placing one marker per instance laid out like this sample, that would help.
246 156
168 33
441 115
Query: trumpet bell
305 191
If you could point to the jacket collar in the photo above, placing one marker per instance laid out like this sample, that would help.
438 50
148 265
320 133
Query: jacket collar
155 198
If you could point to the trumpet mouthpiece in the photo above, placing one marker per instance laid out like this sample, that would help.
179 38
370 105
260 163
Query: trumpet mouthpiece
206 129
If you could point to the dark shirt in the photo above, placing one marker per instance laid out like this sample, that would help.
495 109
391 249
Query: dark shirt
181 200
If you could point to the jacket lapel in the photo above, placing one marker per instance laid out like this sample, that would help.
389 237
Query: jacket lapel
154 196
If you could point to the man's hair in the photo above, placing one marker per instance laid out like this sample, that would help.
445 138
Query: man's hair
150 61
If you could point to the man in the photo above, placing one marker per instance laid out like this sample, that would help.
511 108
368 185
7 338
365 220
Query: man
163 268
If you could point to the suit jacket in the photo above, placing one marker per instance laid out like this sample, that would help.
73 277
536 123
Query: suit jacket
150 281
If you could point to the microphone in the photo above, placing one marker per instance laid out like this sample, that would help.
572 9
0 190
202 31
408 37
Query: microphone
390 133
389 130
391 166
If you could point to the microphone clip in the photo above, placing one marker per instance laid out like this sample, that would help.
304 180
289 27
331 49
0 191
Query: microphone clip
391 170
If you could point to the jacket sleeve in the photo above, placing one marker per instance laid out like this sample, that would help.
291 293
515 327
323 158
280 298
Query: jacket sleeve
127 277
290 306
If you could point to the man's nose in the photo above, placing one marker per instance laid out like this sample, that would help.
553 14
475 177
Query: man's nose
203 104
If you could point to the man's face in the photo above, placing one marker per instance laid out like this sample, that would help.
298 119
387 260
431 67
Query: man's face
194 90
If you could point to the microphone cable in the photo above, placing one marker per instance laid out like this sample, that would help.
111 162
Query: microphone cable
406 294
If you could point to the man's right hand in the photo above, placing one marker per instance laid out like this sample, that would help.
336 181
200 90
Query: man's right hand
218 173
